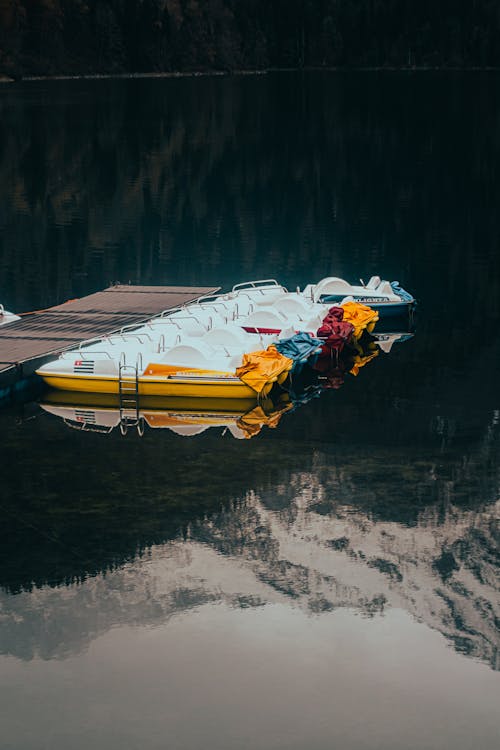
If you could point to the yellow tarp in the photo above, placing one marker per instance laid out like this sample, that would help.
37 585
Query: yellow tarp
360 316
261 369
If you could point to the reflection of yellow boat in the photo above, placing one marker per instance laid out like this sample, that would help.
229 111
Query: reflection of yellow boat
101 412
254 420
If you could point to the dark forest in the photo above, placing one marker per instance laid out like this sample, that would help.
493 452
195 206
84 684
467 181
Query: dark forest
49 37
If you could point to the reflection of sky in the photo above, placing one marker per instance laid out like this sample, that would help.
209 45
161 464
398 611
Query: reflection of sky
219 677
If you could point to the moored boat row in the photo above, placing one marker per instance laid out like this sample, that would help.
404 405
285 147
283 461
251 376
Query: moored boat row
213 347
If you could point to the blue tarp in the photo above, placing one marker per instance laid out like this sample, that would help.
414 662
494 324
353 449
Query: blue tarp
402 293
298 347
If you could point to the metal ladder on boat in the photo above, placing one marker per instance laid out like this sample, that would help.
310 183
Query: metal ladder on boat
128 395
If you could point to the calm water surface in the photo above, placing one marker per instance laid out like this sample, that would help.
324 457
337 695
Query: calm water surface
332 582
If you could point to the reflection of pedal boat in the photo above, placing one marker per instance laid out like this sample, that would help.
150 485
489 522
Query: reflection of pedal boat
386 341
101 413
195 350
7 317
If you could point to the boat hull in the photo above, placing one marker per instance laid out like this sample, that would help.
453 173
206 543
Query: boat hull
384 309
168 387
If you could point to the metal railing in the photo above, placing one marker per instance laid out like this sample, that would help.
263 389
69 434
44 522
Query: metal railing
261 284
128 395
85 427
84 355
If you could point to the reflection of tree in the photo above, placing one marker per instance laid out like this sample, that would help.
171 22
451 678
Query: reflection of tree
213 181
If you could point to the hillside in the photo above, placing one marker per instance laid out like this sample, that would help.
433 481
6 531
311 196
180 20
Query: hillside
48 37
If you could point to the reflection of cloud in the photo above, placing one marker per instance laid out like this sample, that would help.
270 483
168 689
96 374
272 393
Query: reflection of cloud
442 571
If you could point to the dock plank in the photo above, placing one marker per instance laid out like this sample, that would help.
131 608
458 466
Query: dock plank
37 337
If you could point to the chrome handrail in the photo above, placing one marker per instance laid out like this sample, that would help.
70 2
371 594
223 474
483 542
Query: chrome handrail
258 284
138 336
207 298
251 306
85 356
166 313
192 317
135 368
131 327
214 304
85 427
124 331
94 340
158 321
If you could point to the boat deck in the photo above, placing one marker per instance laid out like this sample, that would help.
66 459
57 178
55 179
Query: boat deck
30 342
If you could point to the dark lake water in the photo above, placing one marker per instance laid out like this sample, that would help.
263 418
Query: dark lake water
332 582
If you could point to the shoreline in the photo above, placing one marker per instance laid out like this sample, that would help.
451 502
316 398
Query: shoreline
228 73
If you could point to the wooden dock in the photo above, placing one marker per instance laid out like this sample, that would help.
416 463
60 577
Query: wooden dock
30 342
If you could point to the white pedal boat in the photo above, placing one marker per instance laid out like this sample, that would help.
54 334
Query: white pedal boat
170 364
387 298
7 317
